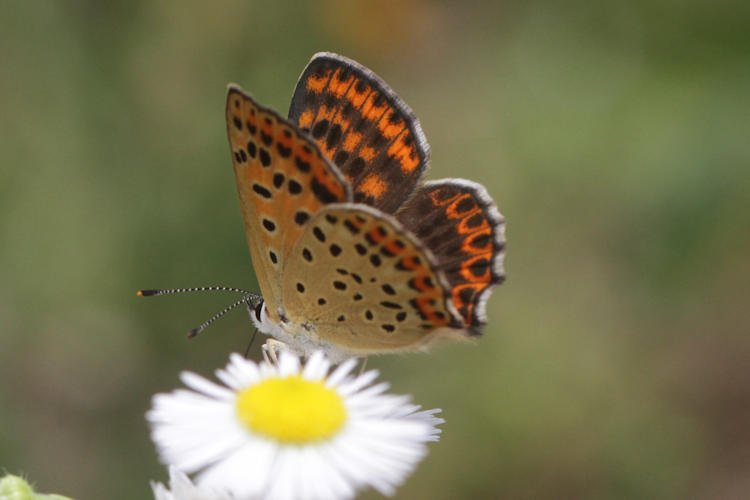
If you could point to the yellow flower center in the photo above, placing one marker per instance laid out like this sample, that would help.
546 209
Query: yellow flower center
291 409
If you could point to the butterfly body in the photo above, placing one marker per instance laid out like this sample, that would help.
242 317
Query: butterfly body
354 254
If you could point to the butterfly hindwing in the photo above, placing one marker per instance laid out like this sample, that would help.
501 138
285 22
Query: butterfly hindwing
283 181
460 224
363 127
360 280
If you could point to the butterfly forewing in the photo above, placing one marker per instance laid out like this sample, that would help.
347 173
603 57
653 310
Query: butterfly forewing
282 181
363 127
358 279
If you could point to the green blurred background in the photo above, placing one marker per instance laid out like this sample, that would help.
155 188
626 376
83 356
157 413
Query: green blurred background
614 136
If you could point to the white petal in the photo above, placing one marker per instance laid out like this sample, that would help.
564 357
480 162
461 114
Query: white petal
316 367
205 386
352 385
161 492
370 392
194 435
245 472
268 370
340 373
288 364
183 489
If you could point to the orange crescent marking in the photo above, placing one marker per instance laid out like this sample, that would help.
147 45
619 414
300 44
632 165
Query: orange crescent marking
375 235
356 222
421 283
463 227
435 197
460 303
304 152
405 156
429 311
466 271
410 262
467 246
393 248
452 212
282 138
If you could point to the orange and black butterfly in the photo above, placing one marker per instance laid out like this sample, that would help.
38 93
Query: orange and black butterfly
354 253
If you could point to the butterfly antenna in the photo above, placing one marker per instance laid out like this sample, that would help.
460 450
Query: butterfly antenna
249 298
153 293
195 331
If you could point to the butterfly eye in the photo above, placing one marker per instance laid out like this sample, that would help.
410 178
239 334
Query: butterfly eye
258 308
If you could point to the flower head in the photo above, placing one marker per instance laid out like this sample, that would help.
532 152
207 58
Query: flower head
289 431
181 488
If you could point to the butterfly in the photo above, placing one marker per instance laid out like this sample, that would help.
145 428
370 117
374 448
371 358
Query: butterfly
353 252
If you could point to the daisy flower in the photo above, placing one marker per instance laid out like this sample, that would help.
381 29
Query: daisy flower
288 431
182 488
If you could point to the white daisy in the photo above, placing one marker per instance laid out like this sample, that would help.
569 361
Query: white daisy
182 488
291 432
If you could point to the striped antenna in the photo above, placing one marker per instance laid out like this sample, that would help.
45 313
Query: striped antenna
195 331
249 299
153 293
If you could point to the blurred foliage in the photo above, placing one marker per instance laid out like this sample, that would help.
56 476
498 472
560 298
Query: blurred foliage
613 136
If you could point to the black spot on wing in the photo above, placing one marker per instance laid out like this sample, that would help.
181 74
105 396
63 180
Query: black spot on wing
294 187
269 225
334 136
265 158
321 191
284 151
320 129
301 217
262 191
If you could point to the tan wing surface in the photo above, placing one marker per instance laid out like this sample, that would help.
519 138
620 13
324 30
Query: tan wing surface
282 181
360 280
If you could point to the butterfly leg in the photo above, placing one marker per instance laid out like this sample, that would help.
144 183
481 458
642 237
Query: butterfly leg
271 350
363 365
